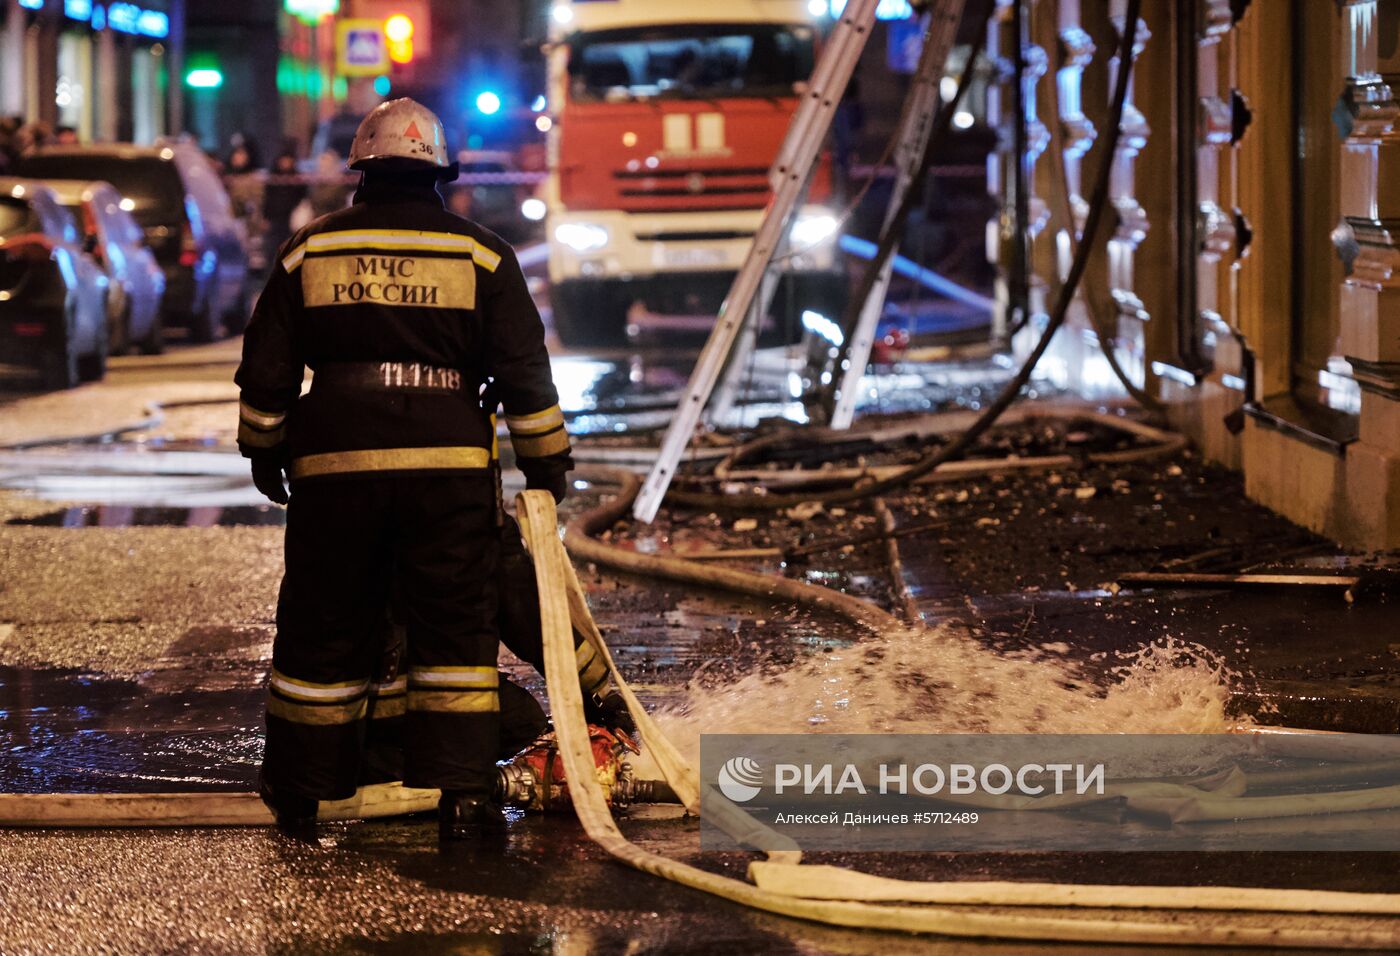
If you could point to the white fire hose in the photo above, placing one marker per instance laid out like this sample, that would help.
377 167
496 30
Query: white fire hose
1179 915
1199 916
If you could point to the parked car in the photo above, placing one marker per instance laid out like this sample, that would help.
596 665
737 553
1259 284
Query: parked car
177 198
136 283
53 297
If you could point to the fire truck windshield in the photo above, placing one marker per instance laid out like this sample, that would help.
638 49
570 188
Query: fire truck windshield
690 61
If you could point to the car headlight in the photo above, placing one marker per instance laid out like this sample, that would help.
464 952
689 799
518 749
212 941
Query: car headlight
533 209
811 229
581 236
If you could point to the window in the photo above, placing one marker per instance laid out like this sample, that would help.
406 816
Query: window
690 61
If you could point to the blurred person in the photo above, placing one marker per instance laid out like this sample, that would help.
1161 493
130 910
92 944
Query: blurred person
244 183
9 141
66 136
240 160
405 313
245 187
284 191
329 191
34 135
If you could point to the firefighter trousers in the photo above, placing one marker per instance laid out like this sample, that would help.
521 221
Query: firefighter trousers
345 539
522 720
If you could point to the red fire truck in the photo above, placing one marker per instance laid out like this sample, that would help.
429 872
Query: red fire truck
667 117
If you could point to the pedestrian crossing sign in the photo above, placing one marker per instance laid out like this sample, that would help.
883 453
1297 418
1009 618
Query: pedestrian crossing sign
361 49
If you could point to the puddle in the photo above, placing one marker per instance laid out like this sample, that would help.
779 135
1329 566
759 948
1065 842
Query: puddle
79 732
128 516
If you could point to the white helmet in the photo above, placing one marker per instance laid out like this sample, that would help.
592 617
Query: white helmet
401 129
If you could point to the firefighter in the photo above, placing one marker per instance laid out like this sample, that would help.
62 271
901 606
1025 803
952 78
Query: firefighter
403 312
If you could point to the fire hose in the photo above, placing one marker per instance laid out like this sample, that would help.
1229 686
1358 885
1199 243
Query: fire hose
842 897
783 885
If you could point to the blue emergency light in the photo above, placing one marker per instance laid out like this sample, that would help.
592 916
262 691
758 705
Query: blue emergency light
488 103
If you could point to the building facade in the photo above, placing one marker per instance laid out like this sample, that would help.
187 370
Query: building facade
105 68
231 53
1247 274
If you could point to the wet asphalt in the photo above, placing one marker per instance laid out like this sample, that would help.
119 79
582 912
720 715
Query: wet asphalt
134 638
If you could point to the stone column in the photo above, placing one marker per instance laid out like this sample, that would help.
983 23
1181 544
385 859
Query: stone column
1369 236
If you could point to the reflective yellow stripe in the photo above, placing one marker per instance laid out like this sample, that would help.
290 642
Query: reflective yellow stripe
312 691
454 702
259 418
592 672
454 678
552 417
391 459
485 258
394 240
474 670
293 258
537 447
399 686
389 699
385 708
397 238
495 440
248 435
318 714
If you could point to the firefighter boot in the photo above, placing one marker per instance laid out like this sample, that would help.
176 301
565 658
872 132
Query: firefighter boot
296 814
469 816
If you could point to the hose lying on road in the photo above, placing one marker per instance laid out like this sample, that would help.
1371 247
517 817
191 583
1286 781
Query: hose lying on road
195 809
823 894
1161 444
842 897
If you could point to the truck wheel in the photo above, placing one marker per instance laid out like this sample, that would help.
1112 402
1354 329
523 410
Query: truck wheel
597 319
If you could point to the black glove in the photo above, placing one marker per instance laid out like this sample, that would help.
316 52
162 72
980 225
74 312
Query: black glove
610 712
556 484
267 476
550 474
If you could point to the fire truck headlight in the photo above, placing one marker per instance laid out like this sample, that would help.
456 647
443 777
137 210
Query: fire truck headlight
811 229
581 236
533 209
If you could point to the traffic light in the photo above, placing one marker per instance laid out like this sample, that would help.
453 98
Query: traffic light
398 31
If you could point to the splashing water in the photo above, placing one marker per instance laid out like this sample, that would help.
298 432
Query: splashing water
939 681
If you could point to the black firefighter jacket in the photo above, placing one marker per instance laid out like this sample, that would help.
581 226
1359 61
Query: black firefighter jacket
403 311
